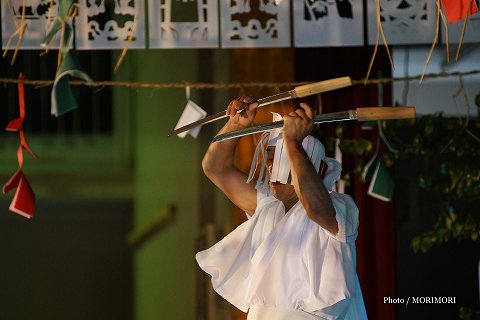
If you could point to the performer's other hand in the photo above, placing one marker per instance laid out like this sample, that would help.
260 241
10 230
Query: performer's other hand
298 124
246 117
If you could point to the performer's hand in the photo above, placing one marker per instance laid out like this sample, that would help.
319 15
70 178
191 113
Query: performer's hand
298 124
246 117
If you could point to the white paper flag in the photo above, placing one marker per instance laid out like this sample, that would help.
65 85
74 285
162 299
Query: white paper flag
183 24
403 21
328 23
191 113
255 23
38 17
107 24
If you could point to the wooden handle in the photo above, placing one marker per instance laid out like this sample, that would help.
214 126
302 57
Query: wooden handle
384 113
322 86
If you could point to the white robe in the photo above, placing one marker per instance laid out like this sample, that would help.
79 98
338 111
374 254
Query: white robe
285 266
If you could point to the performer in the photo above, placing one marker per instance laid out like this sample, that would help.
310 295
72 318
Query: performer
294 258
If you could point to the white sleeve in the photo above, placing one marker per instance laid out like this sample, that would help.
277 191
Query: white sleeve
346 213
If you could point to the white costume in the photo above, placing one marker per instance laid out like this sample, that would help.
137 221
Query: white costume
281 266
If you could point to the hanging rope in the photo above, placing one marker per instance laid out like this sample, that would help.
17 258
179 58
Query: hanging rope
227 86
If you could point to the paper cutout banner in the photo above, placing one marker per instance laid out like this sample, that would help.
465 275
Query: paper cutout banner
109 24
328 23
38 17
255 24
183 24
404 22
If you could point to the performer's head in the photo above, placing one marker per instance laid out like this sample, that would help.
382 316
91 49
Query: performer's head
275 167
278 164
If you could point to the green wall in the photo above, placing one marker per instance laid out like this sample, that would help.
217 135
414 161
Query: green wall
166 171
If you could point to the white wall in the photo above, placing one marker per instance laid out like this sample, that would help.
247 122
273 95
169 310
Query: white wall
437 94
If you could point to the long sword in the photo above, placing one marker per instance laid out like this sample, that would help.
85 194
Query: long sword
298 92
359 114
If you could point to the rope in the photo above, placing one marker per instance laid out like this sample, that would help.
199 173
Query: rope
226 86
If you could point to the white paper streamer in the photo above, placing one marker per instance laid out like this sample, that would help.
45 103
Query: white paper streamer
276 163
277 133
284 168
281 170
191 113
260 148
340 186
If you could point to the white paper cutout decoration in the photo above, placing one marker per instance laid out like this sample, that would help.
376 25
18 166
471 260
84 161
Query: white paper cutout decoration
255 23
183 23
108 24
403 21
38 17
328 23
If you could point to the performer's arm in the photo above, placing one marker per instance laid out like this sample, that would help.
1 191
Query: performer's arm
308 183
218 162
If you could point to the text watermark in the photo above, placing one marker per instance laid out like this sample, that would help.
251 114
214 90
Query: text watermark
420 300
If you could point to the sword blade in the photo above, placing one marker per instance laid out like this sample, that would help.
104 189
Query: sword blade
275 98
322 118
360 114
261 102
297 92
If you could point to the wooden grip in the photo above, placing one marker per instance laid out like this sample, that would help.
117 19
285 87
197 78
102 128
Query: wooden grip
384 113
322 86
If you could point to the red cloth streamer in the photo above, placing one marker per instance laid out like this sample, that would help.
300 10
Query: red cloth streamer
23 202
459 9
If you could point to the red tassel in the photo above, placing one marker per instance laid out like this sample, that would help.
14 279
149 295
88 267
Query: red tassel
23 202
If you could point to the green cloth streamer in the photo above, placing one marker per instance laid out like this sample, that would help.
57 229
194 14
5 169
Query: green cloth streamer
62 98
382 184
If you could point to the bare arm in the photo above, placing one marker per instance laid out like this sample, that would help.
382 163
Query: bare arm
218 162
308 184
